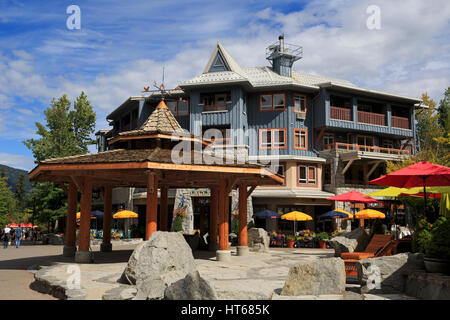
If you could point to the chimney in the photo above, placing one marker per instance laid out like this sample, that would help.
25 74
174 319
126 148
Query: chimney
282 56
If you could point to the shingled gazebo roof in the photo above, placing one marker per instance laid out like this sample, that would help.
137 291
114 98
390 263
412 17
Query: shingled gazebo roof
160 122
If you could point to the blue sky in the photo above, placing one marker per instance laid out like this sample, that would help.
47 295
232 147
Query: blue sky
122 46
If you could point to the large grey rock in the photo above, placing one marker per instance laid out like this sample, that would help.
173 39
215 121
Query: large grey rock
354 241
258 240
191 287
183 199
387 274
320 276
157 263
429 286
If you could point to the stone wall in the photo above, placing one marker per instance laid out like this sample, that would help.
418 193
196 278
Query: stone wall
188 221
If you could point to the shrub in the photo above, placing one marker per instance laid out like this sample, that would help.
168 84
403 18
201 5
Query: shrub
322 236
439 244
422 236
178 223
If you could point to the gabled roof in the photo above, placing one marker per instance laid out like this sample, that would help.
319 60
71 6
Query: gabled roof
225 57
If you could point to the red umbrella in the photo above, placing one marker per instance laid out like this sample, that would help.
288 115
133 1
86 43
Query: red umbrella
13 225
417 175
353 196
26 225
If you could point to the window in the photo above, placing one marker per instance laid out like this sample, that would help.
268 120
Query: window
272 138
388 144
328 140
300 103
215 101
306 174
300 139
179 108
271 102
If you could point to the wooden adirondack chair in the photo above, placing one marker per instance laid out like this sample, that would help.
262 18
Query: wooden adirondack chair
375 248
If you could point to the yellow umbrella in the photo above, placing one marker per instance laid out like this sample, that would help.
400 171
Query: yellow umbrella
125 214
296 216
79 215
369 214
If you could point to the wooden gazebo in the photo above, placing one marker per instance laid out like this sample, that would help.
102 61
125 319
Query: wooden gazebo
145 158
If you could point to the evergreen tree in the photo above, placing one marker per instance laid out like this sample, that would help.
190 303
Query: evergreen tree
20 192
66 133
3 174
7 205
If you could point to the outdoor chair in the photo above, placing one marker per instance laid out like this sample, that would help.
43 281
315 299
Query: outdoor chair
375 248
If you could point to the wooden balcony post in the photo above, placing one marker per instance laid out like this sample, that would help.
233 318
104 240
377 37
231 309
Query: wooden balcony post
151 217
243 240
83 255
70 246
107 218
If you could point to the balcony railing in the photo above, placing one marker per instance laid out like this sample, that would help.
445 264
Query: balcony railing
340 113
357 147
372 118
224 141
400 122
215 107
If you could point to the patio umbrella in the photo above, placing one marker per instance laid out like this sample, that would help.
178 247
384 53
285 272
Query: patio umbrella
337 213
125 214
444 208
267 214
296 216
422 174
353 196
79 215
369 214
13 225
97 214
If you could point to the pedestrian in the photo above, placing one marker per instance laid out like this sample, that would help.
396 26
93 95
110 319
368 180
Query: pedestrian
6 235
18 236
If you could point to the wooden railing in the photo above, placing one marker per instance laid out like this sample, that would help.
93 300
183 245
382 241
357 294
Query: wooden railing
400 122
371 118
215 107
340 113
357 147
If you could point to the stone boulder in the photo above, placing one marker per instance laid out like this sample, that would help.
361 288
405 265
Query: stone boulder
258 240
316 277
157 263
387 274
191 287
354 241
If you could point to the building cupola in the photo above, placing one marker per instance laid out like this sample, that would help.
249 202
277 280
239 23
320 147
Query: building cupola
282 56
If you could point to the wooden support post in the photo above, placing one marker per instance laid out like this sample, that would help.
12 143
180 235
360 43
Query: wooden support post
163 209
242 241
213 217
71 220
107 218
223 254
152 205
83 255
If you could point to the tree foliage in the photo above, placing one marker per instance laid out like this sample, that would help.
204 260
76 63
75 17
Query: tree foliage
67 132
7 203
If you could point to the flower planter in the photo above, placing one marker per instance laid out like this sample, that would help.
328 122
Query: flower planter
437 265
322 244
290 243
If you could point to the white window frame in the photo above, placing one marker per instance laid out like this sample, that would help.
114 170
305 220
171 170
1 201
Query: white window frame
300 98
307 180
274 142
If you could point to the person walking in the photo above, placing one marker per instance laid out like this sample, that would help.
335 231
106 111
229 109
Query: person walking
18 236
6 234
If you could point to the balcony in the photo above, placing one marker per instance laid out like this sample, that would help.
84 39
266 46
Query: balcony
357 147
338 113
400 122
371 118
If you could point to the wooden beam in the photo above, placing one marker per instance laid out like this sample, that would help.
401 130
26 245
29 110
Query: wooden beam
72 201
242 240
107 214
85 215
373 169
152 205
349 163
250 191
316 140
214 213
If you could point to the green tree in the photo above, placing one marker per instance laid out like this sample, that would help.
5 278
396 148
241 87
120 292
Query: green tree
20 193
7 205
66 133
444 112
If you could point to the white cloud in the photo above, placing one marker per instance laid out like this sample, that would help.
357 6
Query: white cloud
17 161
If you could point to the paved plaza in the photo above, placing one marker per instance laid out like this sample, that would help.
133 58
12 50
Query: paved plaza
256 276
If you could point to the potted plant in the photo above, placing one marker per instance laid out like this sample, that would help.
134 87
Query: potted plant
290 240
437 250
322 238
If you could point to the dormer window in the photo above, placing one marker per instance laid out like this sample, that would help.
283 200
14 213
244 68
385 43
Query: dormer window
272 102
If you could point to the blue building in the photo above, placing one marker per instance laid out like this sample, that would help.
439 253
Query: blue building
325 136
